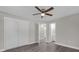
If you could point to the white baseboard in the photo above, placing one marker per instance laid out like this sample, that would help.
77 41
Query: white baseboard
1 50
65 45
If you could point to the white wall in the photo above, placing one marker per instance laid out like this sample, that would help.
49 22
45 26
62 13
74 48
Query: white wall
18 32
67 31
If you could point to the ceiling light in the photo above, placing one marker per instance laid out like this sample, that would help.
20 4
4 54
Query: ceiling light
42 14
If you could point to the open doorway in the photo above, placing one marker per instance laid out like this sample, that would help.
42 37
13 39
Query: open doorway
42 32
46 35
47 32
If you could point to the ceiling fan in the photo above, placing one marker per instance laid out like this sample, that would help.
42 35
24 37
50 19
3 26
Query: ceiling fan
43 12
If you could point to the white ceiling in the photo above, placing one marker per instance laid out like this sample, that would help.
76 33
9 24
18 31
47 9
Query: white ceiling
27 11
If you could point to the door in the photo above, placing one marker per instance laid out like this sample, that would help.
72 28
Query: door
10 33
53 32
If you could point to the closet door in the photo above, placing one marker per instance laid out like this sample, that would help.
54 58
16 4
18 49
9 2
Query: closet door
32 33
10 33
23 32
1 33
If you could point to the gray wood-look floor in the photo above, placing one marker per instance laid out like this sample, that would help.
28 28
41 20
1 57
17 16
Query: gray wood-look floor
42 47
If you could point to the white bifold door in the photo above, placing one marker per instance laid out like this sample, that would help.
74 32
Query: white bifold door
16 33
10 33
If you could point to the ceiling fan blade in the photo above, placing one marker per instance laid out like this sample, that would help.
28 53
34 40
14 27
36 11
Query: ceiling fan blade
48 14
38 8
36 14
51 8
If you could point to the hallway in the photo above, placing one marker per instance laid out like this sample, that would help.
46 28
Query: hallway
42 47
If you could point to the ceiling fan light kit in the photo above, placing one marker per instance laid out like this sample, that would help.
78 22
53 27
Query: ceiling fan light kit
43 12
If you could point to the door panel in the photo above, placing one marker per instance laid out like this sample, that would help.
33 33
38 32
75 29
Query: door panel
10 33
